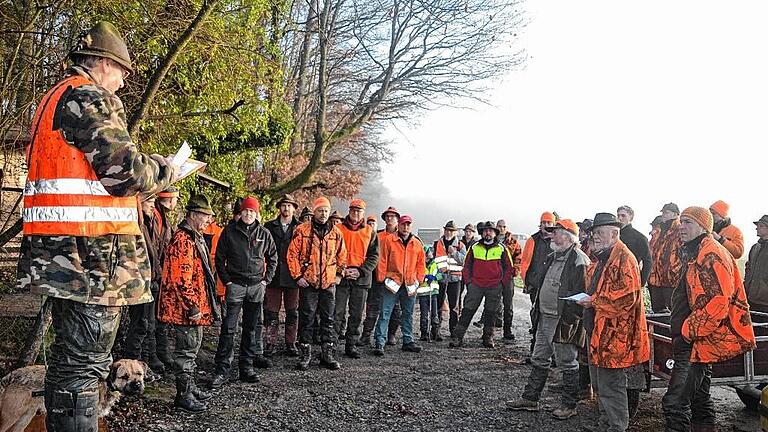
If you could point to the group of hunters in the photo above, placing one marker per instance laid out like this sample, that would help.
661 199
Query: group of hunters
97 238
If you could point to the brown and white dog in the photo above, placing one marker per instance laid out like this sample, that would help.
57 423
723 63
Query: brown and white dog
21 396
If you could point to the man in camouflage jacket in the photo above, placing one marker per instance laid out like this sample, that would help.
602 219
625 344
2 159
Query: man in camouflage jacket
88 279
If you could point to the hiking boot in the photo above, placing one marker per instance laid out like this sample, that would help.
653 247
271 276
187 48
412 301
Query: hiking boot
458 339
365 340
456 342
522 404
249 375
378 350
391 339
424 337
291 350
564 413
262 362
270 350
351 352
508 336
219 380
411 347
185 400
305 356
585 394
199 393
327 357
488 343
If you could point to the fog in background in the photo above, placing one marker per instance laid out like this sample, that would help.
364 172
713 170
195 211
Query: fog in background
637 103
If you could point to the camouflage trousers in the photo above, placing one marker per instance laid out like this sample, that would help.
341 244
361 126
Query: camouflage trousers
80 355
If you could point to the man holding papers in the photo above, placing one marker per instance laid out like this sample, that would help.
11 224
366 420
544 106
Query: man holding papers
401 268
487 269
557 319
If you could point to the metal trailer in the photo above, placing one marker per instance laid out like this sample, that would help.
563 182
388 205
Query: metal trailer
746 373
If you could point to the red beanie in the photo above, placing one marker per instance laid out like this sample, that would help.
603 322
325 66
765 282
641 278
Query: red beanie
250 203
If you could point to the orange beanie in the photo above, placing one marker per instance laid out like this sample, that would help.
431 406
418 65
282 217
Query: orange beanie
547 217
721 208
321 202
701 215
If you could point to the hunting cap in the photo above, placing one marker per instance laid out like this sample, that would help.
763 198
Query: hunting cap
103 40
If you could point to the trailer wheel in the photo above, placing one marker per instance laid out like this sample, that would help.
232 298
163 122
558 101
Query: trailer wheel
750 402
633 401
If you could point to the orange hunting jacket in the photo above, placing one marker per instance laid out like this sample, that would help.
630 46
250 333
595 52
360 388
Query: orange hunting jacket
719 325
620 336
317 259
666 268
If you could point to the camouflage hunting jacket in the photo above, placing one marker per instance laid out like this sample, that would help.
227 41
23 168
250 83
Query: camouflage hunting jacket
112 270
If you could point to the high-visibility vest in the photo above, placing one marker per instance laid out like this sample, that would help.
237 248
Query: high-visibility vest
63 195
453 269
357 243
493 254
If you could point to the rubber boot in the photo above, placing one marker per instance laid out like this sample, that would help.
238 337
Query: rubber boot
72 412
328 356
270 338
305 356
570 393
185 399
585 385
199 393
458 336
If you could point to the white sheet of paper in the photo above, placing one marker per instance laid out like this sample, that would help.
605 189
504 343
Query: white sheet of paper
181 156
575 297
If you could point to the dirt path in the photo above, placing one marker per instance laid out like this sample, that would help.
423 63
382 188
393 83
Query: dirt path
439 389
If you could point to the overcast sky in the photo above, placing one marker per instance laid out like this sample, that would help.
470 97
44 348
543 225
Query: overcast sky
620 102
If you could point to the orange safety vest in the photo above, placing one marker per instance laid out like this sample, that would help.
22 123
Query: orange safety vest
357 243
441 252
63 195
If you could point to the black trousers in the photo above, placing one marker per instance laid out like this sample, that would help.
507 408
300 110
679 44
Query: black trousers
320 302
373 307
251 342
140 342
452 291
353 298
687 394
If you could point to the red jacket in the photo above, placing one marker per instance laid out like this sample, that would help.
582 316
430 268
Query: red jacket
487 266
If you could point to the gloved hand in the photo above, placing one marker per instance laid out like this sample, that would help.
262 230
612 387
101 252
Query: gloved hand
430 278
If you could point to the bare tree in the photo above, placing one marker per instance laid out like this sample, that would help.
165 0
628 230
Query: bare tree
384 60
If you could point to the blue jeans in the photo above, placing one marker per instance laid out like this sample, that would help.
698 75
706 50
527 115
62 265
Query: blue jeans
388 301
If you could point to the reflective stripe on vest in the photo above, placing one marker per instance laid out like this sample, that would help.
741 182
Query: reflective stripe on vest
63 195
440 252
483 254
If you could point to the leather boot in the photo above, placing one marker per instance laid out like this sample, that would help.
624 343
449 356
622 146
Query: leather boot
458 336
305 356
328 356
570 388
291 350
155 364
185 400
270 338
488 337
365 339
435 333
199 393
350 351
72 412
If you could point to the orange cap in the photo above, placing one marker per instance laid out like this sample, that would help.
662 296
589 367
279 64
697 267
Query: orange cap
357 203
701 216
568 225
321 202
547 217
721 208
